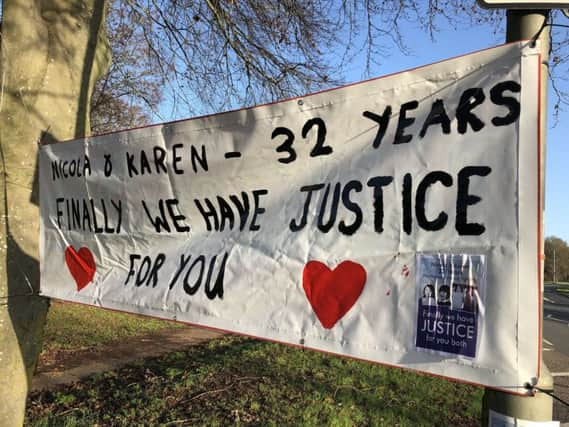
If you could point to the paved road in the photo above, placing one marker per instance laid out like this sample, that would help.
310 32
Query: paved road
555 305
556 319
556 336
556 346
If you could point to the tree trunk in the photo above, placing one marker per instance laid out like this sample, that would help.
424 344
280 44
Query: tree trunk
52 51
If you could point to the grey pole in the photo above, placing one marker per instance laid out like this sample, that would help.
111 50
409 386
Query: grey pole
525 25
554 271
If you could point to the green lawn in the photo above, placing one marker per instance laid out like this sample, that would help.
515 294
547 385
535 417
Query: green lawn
238 381
235 380
563 288
72 326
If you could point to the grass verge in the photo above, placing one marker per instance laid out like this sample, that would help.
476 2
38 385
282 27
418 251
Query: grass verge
74 326
240 381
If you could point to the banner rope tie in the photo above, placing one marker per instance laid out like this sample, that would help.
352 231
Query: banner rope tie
548 392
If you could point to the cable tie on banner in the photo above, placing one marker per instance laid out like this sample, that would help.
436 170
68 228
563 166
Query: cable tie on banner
42 138
534 388
530 387
534 38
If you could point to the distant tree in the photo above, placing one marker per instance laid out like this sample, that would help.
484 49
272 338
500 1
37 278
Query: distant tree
131 91
556 259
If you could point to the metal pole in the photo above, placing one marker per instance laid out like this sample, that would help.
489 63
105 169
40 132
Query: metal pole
526 25
554 270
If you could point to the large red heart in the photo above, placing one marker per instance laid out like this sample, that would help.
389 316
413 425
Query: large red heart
81 265
332 293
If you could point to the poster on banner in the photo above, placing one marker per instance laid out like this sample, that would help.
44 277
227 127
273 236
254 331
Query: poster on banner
379 220
450 306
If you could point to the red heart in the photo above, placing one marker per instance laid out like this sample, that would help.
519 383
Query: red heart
81 265
332 293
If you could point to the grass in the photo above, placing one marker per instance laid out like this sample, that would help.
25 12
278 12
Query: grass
240 381
562 288
74 326
236 381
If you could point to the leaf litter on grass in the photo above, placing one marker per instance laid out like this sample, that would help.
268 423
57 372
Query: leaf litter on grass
234 380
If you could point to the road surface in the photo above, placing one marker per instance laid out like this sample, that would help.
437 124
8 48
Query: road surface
556 320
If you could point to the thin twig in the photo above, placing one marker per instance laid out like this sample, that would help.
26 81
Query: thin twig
205 393
59 414
187 420
350 387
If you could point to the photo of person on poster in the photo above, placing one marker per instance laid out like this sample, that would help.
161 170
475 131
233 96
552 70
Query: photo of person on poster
470 298
457 296
443 298
428 297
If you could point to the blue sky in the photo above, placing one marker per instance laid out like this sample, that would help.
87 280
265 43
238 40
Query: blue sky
454 42
451 42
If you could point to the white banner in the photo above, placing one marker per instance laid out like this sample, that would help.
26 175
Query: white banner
394 220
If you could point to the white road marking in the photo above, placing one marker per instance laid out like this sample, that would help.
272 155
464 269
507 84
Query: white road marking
550 317
547 342
548 300
560 374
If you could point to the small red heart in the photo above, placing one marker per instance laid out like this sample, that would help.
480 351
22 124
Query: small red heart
81 265
332 293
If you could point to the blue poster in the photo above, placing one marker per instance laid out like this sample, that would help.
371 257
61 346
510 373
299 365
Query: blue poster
450 302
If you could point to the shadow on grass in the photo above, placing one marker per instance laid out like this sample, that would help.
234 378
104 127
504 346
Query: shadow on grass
236 380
